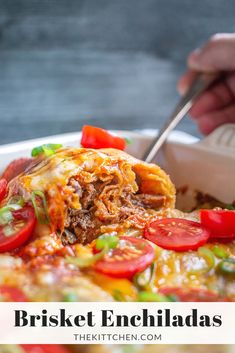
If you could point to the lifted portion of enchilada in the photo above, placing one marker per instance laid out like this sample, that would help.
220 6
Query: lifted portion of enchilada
87 190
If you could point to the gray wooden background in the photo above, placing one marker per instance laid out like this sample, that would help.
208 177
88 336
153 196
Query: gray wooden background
113 63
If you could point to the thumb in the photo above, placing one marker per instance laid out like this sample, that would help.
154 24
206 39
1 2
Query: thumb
216 55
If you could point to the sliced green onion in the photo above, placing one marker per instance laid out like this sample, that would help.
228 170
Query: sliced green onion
227 266
17 200
220 252
6 213
172 298
8 231
145 279
36 151
47 149
70 297
46 218
87 261
118 296
106 241
10 207
5 216
152 297
128 141
208 256
141 280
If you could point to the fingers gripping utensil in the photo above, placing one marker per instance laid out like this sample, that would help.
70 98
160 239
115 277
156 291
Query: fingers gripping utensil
199 85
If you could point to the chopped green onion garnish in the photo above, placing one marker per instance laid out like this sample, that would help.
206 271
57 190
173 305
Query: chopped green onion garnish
128 141
10 207
145 279
87 261
106 241
207 255
6 213
119 296
152 297
227 266
17 200
142 279
47 149
5 216
220 252
70 297
172 298
46 218
8 230
36 151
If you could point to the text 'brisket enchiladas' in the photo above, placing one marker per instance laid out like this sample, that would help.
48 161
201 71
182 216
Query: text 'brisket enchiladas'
85 224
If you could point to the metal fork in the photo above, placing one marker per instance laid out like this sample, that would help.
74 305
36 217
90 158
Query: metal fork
199 85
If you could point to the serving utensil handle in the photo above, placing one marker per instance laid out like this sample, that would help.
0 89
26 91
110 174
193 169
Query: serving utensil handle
199 85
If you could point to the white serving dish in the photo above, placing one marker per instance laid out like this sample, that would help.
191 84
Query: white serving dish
207 165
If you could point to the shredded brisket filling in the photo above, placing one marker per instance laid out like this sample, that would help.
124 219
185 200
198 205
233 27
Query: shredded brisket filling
103 203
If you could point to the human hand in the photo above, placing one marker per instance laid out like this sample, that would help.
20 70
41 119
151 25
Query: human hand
217 105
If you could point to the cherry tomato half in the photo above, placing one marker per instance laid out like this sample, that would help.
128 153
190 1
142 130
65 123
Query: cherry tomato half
16 167
43 348
20 230
221 223
3 188
131 256
11 294
176 234
192 294
95 137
